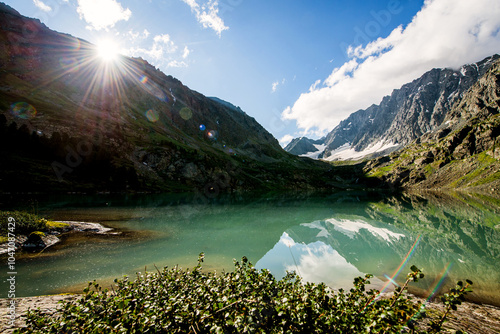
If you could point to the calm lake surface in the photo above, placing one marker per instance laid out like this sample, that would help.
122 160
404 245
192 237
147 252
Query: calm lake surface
325 238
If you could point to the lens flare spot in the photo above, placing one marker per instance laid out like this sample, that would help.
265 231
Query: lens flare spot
23 110
440 281
152 115
186 113
228 150
152 88
74 43
212 134
202 127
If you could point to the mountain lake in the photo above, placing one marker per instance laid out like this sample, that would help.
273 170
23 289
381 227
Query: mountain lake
330 238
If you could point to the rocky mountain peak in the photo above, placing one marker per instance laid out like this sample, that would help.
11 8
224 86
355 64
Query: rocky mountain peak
409 112
463 152
303 144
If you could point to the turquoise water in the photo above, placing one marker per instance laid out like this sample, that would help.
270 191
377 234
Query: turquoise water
325 238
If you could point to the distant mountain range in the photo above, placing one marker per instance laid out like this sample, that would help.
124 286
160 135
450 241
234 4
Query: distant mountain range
408 113
72 122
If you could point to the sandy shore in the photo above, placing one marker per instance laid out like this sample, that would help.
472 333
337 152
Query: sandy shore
47 303
471 318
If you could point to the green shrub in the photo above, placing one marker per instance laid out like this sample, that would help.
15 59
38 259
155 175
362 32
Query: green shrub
242 301
25 223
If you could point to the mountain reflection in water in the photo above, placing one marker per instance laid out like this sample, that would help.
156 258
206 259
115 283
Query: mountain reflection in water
325 238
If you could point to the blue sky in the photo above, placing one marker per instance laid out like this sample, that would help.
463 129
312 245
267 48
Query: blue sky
299 67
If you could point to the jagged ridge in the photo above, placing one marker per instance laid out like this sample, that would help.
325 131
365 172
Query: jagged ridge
303 145
408 113
463 152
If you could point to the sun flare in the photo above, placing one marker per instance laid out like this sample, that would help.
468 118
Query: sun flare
107 50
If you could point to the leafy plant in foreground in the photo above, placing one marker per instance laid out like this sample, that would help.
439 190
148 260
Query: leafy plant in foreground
242 301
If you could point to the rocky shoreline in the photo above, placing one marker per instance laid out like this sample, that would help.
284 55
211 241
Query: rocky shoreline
49 304
469 318
40 241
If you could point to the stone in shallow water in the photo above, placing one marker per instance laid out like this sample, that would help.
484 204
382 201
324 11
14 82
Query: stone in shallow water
34 241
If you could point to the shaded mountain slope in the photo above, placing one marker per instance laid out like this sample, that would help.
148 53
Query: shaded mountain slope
71 121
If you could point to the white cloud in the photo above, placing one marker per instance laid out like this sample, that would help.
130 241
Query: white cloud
162 44
208 15
102 14
314 85
177 63
135 35
162 52
164 41
186 52
444 33
287 240
319 262
339 74
274 86
285 140
42 6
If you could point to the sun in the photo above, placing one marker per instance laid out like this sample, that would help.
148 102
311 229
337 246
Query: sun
107 50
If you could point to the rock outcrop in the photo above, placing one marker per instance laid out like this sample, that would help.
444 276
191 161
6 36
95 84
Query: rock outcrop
463 152
303 145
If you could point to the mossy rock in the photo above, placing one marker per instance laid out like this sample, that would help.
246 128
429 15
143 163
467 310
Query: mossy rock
35 241
51 225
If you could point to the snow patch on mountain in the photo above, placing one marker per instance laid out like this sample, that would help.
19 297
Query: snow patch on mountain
347 152
315 154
